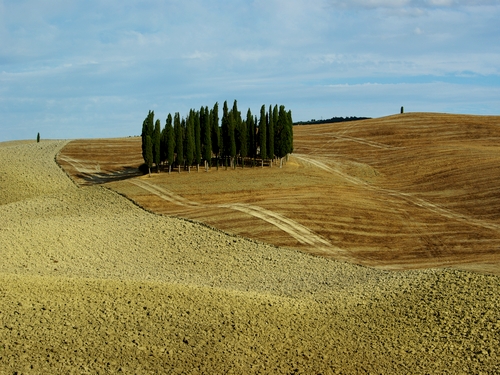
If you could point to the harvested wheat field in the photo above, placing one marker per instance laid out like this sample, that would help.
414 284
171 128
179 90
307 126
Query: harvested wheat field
93 283
409 191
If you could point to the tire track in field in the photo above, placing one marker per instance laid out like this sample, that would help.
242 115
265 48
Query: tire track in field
365 142
165 194
434 208
301 233
79 166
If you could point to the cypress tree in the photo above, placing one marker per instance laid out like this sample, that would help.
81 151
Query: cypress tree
143 138
232 138
207 137
179 140
156 139
237 127
163 145
170 142
290 129
278 140
256 136
197 138
183 133
270 135
214 115
148 148
262 133
190 141
225 131
38 138
147 129
243 134
275 121
251 134
285 127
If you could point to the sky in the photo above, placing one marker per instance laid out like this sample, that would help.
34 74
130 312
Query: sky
88 69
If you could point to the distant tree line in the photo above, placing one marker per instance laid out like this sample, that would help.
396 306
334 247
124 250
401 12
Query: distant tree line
331 120
198 138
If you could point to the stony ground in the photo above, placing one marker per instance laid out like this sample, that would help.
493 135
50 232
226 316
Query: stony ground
91 283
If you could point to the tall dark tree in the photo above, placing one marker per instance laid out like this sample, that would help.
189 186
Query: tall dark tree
148 151
276 129
156 144
270 134
179 140
232 139
206 134
183 131
214 115
38 138
197 138
170 142
190 141
290 129
285 132
163 145
236 115
243 141
225 130
262 133
147 129
250 134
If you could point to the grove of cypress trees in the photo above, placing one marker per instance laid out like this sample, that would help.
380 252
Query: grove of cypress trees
199 137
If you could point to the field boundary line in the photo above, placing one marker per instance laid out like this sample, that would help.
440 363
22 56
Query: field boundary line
298 231
405 196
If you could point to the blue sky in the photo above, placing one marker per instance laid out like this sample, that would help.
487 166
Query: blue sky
85 69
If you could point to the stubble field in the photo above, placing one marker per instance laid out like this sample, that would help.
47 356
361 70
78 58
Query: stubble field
92 283
401 192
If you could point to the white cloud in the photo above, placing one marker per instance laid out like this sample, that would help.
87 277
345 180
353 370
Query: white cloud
373 4
198 55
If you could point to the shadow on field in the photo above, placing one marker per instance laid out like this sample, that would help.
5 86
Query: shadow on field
104 177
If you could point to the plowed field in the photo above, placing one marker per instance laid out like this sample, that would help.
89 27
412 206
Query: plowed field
408 191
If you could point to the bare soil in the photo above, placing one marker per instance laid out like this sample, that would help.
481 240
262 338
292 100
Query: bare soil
91 283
